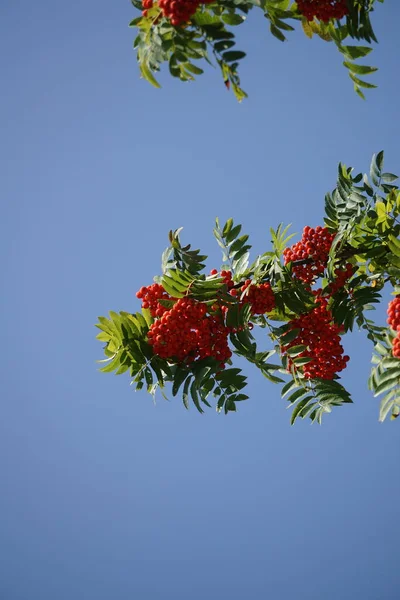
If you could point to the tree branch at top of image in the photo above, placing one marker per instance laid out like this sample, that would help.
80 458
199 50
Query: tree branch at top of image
186 33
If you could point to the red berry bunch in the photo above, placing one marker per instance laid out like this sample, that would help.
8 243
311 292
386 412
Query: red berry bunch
227 277
314 245
186 333
320 335
180 11
260 297
396 347
342 275
393 320
146 5
324 10
393 312
150 297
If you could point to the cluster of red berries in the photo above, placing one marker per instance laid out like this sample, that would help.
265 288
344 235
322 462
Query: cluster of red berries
324 10
393 320
177 11
226 276
186 333
393 312
146 4
396 347
260 297
320 335
150 297
313 249
228 281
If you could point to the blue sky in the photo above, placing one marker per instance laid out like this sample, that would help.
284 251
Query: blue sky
104 494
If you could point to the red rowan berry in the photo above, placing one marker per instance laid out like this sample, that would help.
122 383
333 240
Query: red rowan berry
324 10
320 335
260 297
393 312
227 277
150 296
313 247
180 11
186 333
342 275
393 321
146 4
396 346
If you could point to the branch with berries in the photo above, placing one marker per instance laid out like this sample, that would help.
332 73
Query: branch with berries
183 33
303 298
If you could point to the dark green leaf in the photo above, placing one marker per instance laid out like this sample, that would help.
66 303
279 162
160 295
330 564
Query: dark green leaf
299 407
179 378
233 55
233 19
195 396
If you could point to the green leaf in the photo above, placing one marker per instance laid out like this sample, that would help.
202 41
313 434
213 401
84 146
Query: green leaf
195 396
290 336
220 403
134 22
233 55
359 69
179 378
307 410
148 376
302 360
277 33
112 366
296 350
233 19
297 394
171 289
361 83
193 68
388 382
148 75
386 405
147 315
388 177
227 227
106 325
241 265
355 52
223 45
288 387
229 405
103 336
206 19
232 234
185 394
299 407
215 33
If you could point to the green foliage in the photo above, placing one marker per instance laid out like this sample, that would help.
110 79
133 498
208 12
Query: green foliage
385 378
235 249
314 399
363 213
209 35
126 346
182 258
